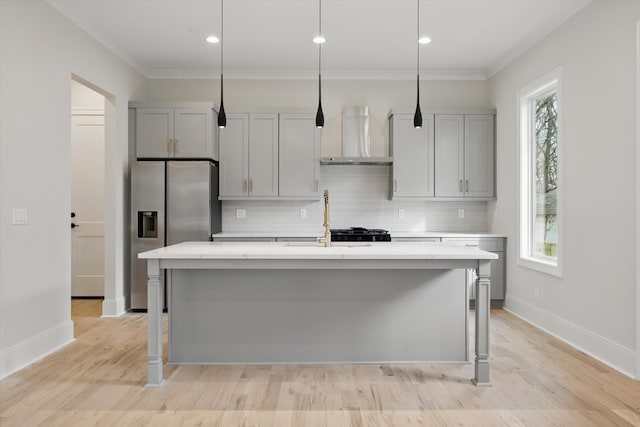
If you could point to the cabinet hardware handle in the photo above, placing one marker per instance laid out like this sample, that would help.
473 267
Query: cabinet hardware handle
460 186
175 146
250 185
244 185
395 185
467 186
316 187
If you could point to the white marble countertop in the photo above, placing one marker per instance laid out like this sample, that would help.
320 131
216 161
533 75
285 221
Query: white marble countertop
303 234
309 250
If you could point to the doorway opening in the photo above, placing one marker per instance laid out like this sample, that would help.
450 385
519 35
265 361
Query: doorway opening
87 192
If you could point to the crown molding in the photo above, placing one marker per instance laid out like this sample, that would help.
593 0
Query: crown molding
311 75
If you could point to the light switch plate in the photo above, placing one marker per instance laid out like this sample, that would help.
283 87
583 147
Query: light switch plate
19 216
460 213
303 213
400 213
241 213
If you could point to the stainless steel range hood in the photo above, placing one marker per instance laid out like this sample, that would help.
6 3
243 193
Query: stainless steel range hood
355 140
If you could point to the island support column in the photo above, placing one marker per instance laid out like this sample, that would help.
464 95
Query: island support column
483 286
154 325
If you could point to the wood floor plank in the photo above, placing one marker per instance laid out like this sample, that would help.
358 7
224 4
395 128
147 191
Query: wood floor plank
99 380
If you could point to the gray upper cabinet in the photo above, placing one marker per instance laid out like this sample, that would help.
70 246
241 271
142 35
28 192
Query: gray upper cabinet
299 156
185 132
413 157
479 159
249 156
464 156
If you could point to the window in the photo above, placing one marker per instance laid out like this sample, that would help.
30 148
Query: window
540 186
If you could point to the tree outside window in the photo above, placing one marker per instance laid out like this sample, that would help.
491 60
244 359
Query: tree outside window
545 237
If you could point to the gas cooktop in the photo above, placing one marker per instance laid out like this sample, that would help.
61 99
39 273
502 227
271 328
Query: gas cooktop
359 234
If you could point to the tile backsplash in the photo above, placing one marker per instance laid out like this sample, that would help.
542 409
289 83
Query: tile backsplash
358 196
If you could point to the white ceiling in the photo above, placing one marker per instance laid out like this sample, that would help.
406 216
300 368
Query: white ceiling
472 39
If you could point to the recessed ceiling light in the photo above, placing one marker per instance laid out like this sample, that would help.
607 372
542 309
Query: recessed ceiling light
424 40
212 39
319 39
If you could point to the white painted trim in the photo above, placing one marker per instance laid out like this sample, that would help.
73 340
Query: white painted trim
87 111
637 272
610 353
35 348
311 74
113 307
551 80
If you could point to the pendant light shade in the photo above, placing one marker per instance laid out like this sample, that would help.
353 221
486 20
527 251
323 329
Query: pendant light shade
222 116
319 113
417 117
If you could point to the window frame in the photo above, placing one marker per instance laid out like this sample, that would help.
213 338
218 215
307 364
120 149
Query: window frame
543 86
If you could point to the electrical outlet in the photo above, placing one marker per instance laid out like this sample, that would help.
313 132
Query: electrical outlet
303 213
241 213
460 213
19 216
400 213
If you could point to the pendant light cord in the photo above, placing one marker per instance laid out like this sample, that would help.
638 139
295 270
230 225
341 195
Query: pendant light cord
418 49
222 38
319 46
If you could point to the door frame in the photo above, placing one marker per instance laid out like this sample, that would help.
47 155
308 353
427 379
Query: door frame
113 304
637 270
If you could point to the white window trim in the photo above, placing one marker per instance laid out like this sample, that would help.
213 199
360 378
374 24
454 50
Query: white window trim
546 83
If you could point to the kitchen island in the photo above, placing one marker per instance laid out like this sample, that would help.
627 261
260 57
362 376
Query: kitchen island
253 303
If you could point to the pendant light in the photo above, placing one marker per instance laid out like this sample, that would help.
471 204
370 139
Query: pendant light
417 117
319 40
222 117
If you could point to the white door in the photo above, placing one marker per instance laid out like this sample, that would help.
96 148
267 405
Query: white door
87 206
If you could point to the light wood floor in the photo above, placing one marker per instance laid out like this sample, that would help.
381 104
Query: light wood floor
99 379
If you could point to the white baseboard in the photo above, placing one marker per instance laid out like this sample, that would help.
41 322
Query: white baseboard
35 348
610 353
113 307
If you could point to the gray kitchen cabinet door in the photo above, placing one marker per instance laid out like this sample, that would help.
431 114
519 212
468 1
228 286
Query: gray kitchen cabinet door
299 155
449 155
234 158
154 132
263 155
413 157
479 155
193 129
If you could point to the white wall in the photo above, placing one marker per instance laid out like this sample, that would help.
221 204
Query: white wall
593 305
39 52
359 194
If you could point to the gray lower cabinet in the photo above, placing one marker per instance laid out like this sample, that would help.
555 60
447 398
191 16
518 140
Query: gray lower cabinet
490 244
416 239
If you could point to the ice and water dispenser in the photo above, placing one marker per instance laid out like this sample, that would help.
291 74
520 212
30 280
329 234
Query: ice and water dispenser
147 224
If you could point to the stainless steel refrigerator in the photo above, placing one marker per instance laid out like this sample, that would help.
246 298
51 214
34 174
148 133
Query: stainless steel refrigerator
172 201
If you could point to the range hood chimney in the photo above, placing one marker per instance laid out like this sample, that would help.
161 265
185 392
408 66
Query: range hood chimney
355 139
355 132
